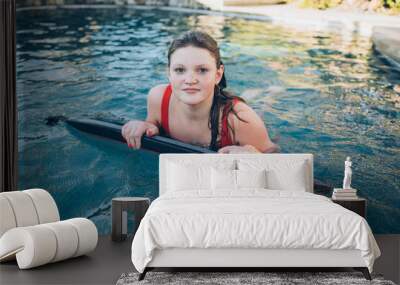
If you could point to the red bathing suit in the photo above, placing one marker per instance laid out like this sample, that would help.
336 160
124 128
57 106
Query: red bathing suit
225 136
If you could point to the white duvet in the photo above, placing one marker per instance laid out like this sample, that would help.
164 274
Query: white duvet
253 218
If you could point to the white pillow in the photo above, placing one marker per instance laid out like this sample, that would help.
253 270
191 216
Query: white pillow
230 180
194 174
290 175
223 179
219 161
182 177
251 178
293 179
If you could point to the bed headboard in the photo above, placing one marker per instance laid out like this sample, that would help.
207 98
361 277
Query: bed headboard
210 158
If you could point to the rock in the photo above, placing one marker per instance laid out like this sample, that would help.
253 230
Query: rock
387 41
374 5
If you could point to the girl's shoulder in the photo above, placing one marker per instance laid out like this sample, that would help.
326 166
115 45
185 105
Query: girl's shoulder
244 112
156 93
240 106
154 100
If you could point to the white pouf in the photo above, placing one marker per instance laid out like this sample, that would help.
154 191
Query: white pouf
31 232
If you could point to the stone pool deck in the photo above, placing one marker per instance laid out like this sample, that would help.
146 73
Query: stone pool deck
332 19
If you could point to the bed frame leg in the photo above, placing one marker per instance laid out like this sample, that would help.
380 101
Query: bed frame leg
364 271
143 274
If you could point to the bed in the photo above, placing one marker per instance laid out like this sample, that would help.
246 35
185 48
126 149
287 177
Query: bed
247 210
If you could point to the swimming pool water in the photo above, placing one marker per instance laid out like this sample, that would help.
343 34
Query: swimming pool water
323 93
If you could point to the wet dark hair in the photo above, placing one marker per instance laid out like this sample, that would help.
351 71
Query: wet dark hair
222 97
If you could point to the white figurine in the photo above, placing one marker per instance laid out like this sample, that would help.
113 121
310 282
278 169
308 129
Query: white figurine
347 173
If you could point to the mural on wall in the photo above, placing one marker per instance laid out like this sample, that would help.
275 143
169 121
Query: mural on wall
318 92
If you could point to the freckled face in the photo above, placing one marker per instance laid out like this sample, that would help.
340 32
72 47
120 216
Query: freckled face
193 74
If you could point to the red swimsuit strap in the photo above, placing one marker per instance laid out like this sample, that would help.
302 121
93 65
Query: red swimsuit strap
225 136
164 108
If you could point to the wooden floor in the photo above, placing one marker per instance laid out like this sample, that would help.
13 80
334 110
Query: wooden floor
111 259
102 266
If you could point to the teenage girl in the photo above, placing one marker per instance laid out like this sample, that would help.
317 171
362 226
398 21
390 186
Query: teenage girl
194 107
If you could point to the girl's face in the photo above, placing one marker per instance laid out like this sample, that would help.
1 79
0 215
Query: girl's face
193 74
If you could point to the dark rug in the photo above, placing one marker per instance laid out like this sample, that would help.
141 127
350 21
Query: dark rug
228 278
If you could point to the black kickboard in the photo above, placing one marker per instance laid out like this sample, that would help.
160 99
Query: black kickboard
157 144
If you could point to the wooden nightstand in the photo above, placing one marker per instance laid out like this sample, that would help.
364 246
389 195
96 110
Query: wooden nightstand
119 212
358 205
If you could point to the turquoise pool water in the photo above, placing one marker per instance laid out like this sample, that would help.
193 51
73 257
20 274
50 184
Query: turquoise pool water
320 92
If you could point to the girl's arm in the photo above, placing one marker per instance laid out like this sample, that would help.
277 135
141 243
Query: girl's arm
133 130
251 136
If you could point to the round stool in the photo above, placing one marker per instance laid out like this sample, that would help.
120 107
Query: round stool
120 207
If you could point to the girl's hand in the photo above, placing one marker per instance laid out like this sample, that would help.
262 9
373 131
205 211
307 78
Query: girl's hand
133 131
238 149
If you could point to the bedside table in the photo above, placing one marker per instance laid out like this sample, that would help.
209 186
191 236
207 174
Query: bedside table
358 205
119 212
